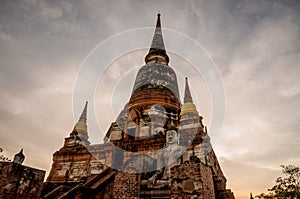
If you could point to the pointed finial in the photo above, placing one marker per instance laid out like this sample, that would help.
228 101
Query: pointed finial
172 126
19 157
187 93
251 197
157 42
83 116
158 25
157 46
172 123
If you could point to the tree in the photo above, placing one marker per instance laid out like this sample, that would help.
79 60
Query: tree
287 187
2 157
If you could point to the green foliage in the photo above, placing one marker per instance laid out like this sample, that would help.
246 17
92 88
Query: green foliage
286 187
2 157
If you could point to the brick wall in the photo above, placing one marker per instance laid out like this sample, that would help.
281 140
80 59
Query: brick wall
193 179
19 181
126 185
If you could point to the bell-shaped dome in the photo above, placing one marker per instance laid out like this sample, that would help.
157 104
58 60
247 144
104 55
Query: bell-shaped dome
156 76
188 108
156 84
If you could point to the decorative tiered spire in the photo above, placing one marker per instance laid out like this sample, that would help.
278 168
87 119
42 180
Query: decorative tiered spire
157 52
80 128
19 157
157 42
188 106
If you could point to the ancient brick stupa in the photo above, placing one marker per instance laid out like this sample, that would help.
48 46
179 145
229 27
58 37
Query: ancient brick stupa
156 148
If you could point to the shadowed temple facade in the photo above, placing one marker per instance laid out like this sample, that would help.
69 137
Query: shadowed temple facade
158 146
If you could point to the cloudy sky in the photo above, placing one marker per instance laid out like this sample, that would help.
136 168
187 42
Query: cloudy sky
255 45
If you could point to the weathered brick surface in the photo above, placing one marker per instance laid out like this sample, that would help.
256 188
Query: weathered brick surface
201 177
207 179
19 181
126 185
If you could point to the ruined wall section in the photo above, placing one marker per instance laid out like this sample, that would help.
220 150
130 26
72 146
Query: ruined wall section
78 163
192 179
19 181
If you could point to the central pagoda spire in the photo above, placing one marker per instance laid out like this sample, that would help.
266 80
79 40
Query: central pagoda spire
156 82
157 52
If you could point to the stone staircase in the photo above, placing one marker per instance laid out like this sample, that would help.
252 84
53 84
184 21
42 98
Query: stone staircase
91 186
